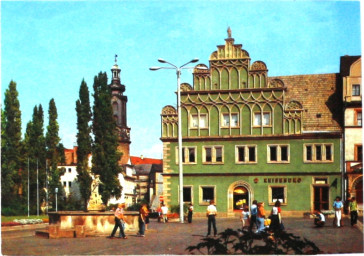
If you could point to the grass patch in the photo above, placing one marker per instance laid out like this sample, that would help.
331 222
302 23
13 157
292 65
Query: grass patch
12 218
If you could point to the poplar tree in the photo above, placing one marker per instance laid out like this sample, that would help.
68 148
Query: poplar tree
84 142
53 152
104 152
35 147
11 146
52 137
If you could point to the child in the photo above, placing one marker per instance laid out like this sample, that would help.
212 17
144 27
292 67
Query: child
319 219
245 217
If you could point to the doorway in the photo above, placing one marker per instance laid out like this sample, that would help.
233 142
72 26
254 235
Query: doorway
240 197
321 198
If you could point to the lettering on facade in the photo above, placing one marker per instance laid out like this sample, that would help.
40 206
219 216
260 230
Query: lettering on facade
282 180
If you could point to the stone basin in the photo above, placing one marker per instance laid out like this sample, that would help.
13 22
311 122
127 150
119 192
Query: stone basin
90 223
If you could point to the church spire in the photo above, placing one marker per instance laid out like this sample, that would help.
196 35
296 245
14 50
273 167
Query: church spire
115 80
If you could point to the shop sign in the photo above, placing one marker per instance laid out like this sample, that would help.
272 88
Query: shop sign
282 180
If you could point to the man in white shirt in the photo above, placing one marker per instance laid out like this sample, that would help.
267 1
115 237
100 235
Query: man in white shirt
211 214
164 209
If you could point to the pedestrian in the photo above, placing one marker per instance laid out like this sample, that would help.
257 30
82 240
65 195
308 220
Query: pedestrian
353 207
147 219
319 219
244 218
276 218
143 212
253 215
211 215
190 212
119 222
260 217
164 209
338 206
159 211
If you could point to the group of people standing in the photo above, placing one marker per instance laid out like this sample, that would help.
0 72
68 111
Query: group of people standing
338 206
258 217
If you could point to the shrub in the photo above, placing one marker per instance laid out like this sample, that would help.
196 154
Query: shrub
175 208
245 242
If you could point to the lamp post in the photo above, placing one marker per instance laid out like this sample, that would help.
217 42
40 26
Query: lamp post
178 72
56 190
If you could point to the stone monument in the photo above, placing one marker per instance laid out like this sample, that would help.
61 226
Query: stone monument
95 202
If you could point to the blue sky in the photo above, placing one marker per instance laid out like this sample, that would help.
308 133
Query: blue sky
47 48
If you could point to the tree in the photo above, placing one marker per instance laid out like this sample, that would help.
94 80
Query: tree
11 147
104 152
52 137
34 146
84 142
55 151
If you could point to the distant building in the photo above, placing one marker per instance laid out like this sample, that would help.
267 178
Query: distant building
350 70
148 179
69 178
248 136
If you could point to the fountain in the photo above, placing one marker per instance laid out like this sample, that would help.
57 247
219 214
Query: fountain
94 222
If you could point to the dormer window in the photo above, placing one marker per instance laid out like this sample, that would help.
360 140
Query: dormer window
356 90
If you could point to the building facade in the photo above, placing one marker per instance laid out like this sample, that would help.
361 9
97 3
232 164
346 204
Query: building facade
248 136
350 69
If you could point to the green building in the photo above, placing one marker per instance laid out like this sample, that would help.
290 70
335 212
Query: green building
249 136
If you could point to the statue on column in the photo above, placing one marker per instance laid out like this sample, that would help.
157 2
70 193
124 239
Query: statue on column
95 202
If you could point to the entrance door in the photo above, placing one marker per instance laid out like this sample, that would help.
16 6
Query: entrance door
321 198
240 197
359 192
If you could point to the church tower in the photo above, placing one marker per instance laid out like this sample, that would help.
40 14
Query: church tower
118 102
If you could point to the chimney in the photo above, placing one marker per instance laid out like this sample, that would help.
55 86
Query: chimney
142 157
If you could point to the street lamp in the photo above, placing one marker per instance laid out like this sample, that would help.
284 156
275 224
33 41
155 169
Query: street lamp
56 190
178 72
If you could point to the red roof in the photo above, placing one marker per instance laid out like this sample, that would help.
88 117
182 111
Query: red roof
143 160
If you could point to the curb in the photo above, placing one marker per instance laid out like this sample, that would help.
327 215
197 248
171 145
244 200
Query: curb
25 227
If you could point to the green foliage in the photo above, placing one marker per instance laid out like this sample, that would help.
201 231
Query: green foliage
35 154
11 156
52 138
248 243
84 142
175 208
104 152
136 206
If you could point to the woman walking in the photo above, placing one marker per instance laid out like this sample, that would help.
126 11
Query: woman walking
276 217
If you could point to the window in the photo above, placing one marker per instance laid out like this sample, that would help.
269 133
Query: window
198 121
278 154
234 120
230 120
69 184
245 154
188 155
358 151
356 89
64 183
225 120
187 194
259 121
69 169
213 154
277 193
318 153
358 117
207 193
320 181
194 121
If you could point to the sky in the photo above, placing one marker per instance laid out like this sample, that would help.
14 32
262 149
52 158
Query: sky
49 47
